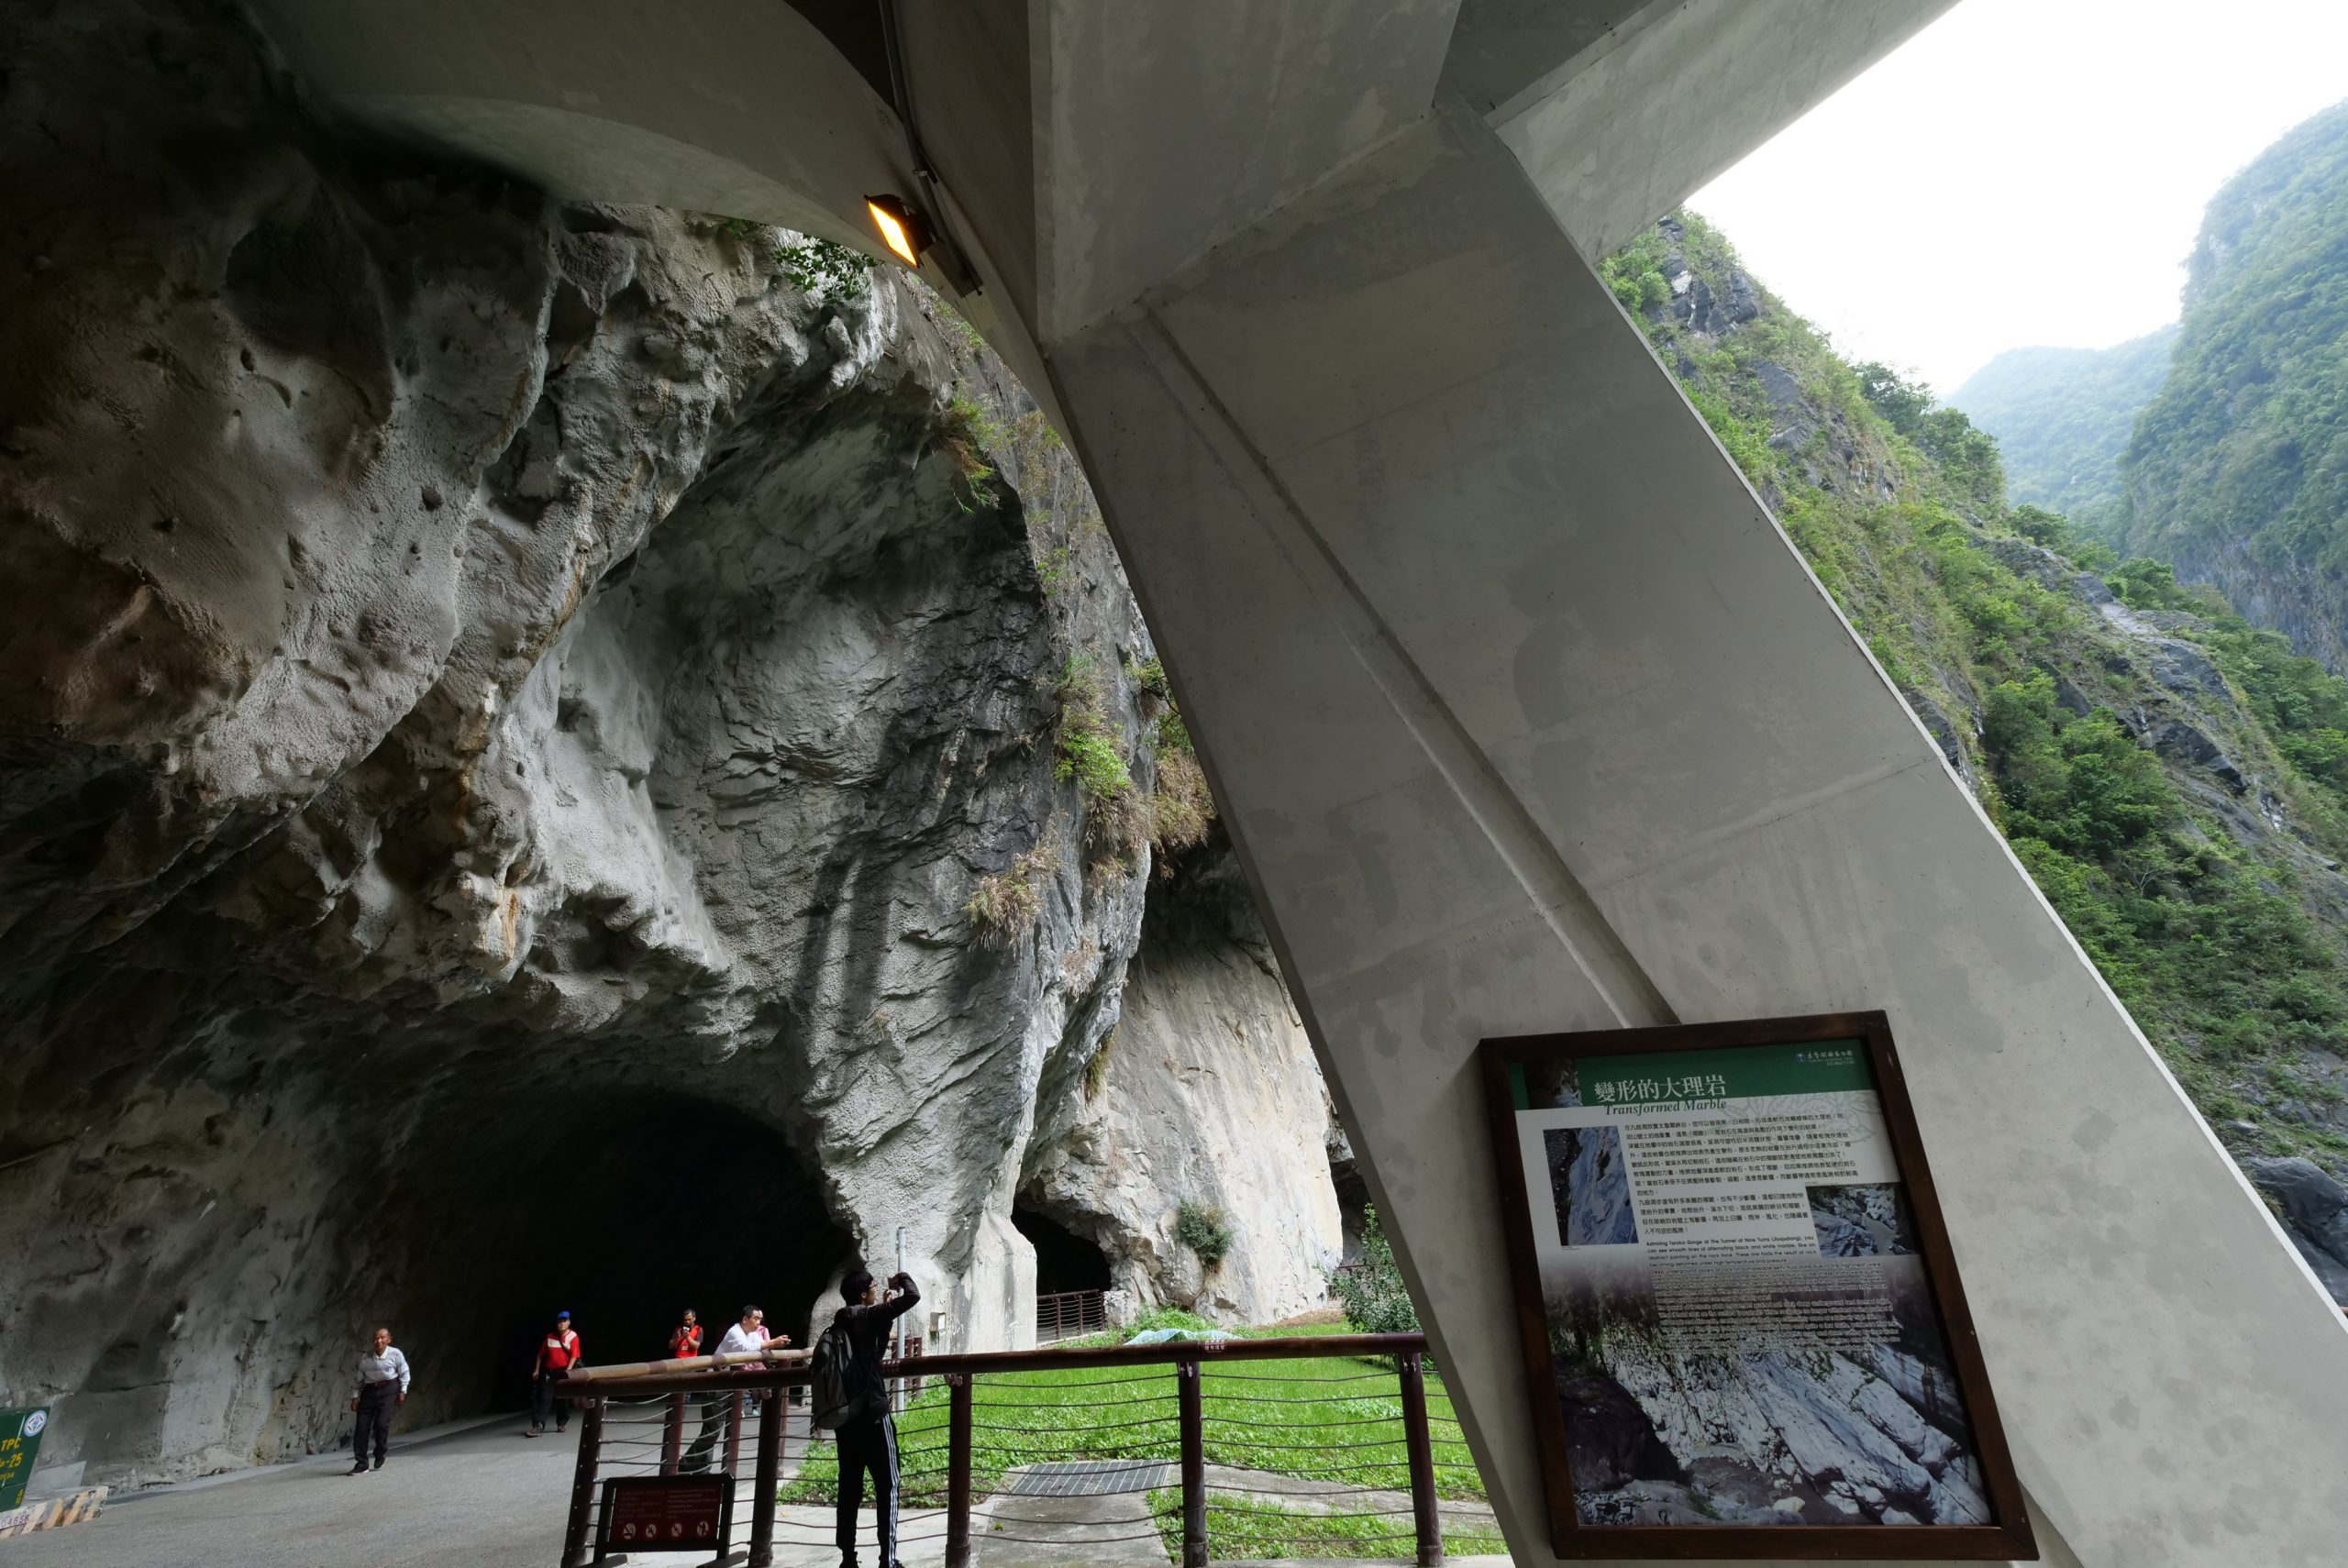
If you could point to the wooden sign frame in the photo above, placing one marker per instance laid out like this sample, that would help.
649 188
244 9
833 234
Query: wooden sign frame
618 1489
2007 1538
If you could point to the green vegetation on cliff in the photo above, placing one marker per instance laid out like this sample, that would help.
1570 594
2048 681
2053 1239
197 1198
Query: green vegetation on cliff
2247 441
2176 780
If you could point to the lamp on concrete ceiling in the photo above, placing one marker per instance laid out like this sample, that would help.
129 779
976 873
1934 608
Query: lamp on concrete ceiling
902 228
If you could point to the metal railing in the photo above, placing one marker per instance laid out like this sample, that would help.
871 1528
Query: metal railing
1222 1449
1071 1314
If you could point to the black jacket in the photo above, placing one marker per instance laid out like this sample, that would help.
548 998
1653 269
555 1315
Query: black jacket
866 1331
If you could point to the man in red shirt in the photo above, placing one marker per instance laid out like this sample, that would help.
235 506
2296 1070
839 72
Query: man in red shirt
686 1340
558 1354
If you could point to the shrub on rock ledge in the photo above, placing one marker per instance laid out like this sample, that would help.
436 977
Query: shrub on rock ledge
1202 1228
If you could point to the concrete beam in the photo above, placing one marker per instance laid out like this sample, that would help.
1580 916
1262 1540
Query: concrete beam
1506 51
1171 127
1667 95
1525 716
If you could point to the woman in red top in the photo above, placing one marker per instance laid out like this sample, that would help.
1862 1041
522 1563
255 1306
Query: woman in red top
686 1340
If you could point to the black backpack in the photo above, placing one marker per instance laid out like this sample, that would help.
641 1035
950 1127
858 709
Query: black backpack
840 1389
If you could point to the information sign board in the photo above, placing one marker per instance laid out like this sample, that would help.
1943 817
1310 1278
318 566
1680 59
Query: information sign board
667 1513
20 1431
1744 1332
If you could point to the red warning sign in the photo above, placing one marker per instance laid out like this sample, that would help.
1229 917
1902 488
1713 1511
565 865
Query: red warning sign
668 1513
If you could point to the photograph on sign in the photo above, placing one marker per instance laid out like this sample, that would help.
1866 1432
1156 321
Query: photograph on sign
1740 1315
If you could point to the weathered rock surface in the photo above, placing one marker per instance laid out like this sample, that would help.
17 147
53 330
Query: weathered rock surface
509 708
2314 1211
1207 1091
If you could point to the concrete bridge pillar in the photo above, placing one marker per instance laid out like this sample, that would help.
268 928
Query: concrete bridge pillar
1525 716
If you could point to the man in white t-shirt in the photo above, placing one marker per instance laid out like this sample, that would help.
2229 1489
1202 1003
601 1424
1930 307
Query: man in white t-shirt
748 1334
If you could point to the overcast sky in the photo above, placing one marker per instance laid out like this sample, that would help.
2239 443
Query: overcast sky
2023 171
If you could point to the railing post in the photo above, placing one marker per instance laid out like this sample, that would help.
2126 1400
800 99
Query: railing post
672 1434
1194 1463
958 1470
773 1415
1420 1448
733 1434
582 1483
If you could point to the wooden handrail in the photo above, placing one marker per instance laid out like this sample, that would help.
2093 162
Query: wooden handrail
736 1360
783 1369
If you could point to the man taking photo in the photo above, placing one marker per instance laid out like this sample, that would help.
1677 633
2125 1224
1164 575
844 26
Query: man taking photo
862 1426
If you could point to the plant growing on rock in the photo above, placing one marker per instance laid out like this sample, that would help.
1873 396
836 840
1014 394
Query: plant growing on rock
1008 901
971 430
824 269
1116 820
1181 808
1636 275
1096 1070
1374 1299
1202 1228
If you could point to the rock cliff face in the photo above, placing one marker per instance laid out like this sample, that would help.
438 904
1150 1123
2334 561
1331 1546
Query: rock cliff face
1207 1091
530 758
2233 470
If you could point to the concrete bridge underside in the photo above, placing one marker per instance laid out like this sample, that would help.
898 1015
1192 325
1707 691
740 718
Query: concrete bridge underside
1522 712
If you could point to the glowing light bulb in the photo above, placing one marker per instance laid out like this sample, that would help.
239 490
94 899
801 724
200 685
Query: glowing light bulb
901 229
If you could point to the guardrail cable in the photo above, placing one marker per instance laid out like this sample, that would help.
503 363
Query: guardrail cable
1233 1451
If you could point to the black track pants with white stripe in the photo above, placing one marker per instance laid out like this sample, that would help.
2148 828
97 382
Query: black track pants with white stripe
868 1447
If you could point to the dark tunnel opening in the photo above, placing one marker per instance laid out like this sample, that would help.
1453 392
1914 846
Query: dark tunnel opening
1064 1260
1353 1208
619 1206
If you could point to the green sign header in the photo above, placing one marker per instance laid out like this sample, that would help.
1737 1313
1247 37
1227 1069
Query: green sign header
1737 1072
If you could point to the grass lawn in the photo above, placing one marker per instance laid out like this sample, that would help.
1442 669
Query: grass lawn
1330 1418
1243 1529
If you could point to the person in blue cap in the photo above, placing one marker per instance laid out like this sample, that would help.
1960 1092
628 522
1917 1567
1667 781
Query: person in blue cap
558 1354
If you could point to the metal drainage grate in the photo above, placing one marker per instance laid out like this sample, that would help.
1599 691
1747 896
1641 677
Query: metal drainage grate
1089 1477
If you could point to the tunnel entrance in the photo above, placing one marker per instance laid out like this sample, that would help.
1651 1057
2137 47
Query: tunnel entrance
1071 1277
1064 1260
1353 1209
621 1207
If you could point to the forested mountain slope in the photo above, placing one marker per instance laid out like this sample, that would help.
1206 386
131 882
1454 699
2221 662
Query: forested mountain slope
2237 472
2063 416
2176 780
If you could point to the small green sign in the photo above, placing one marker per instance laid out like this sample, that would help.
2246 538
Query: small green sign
19 1446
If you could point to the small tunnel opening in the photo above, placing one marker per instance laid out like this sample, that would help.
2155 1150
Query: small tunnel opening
1353 1209
1064 1260
619 1206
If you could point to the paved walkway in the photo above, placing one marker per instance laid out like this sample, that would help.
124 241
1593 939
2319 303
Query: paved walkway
478 1497
483 1496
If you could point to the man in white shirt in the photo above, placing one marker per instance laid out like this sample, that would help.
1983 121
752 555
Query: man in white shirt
749 1333
381 1388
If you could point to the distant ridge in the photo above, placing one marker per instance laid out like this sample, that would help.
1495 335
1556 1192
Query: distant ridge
2063 418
